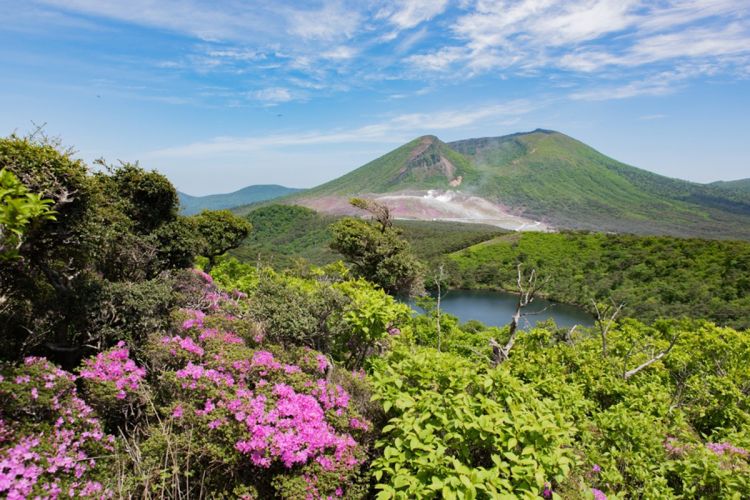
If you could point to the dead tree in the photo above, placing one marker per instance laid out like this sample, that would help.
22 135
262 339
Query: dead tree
439 278
605 318
654 358
527 290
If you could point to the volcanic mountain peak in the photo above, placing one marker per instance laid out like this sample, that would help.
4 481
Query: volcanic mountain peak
535 180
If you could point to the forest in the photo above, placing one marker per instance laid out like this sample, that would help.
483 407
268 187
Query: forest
142 356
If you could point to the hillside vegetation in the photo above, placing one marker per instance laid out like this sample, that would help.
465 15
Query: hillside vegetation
129 371
283 234
653 276
547 176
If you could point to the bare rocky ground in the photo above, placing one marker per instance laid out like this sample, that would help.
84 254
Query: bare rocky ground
434 204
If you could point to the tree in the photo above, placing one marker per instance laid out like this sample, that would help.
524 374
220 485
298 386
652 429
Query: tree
378 254
114 240
150 200
380 212
222 231
528 287
432 305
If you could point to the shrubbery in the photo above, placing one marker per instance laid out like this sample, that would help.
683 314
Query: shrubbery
253 383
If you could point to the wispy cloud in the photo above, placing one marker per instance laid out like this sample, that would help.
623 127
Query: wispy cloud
332 22
393 130
339 45
406 14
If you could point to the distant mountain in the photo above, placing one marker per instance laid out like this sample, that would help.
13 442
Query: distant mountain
251 194
742 184
738 190
536 180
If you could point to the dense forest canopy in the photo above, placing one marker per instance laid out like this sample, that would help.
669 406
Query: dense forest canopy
138 360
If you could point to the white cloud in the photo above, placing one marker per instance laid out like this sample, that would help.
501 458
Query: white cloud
273 95
441 60
332 22
200 18
344 44
405 14
665 82
342 52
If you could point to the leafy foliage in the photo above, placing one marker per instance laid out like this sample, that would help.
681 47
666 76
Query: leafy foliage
456 431
284 234
18 209
380 256
111 249
676 429
654 276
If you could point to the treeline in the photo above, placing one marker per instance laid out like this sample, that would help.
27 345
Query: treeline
654 276
284 234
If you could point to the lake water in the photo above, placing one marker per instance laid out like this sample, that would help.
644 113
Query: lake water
496 309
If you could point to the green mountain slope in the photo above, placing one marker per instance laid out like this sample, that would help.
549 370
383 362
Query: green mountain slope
424 163
251 194
544 176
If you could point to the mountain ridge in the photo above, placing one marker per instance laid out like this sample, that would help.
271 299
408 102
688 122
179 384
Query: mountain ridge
190 205
533 180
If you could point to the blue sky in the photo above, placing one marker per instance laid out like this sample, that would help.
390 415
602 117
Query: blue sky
222 94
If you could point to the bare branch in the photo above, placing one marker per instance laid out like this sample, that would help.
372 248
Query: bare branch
653 360
605 318
527 290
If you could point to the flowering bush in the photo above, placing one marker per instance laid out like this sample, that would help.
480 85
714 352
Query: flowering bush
115 367
233 406
51 444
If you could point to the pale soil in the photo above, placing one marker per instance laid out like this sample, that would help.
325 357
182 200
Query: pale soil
433 205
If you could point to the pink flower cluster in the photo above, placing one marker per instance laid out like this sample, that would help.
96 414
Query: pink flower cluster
598 494
184 343
226 337
53 462
281 424
294 431
727 449
282 414
115 366
195 319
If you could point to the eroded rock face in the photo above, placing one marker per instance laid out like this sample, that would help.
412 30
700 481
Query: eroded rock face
427 161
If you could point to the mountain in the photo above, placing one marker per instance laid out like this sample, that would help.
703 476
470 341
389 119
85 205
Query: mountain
739 184
738 190
534 181
251 194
